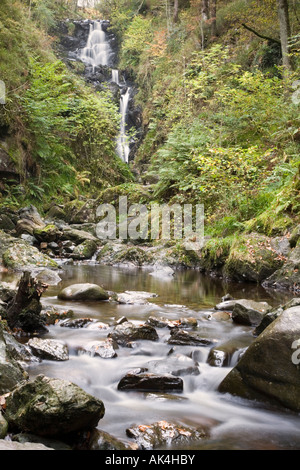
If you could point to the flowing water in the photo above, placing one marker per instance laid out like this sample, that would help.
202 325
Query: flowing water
123 147
236 423
97 51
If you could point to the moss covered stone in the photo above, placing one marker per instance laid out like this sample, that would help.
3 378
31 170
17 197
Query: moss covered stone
252 258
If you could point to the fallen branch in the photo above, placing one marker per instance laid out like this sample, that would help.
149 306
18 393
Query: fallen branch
262 36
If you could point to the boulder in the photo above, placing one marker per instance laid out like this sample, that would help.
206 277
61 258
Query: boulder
184 338
11 372
49 349
226 305
287 277
127 332
85 250
249 312
29 220
252 258
149 382
20 255
269 369
79 292
52 407
275 313
49 233
228 353
135 297
163 434
77 236
104 349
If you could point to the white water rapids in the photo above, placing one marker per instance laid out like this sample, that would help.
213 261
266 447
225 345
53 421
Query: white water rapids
234 423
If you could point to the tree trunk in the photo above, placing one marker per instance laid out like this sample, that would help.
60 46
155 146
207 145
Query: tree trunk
285 31
24 312
176 11
205 10
213 16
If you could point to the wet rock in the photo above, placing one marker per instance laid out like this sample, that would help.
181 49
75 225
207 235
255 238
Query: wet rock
184 338
11 372
20 255
287 277
53 444
163 434
52 407
163 272
249 312
127 332
226 305
224 354
190 322
81 292
135 297
85 250
220 315
269 369
18 351
47 276
49 233
7 292
101 440
10 445
3 426
51 315
145 381
49 349
275 313
76 322
104 349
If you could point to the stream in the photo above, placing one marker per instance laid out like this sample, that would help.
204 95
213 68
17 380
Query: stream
235 424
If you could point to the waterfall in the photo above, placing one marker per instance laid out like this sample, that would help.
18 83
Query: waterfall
115 76
97 51
123 148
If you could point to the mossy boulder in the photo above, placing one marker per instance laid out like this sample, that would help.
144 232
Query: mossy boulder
252 258
83 292
52 407
21 255
287 277
49 233
85 250
267 371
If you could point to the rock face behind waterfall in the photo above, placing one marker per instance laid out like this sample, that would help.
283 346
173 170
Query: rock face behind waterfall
269 369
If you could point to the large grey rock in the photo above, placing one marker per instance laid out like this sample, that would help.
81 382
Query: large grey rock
185 338
104 349
52 407
85 291
127 332
29 220
249 312
269 369
50 349
11 372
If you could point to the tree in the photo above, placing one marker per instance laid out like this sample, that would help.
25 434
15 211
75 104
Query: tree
285 31
176 11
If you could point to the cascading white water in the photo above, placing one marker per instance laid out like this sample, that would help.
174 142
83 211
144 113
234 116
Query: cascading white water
123 148
115 76
97 51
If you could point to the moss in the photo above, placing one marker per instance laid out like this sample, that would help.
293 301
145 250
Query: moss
252 258
134 254
135 193
215 253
